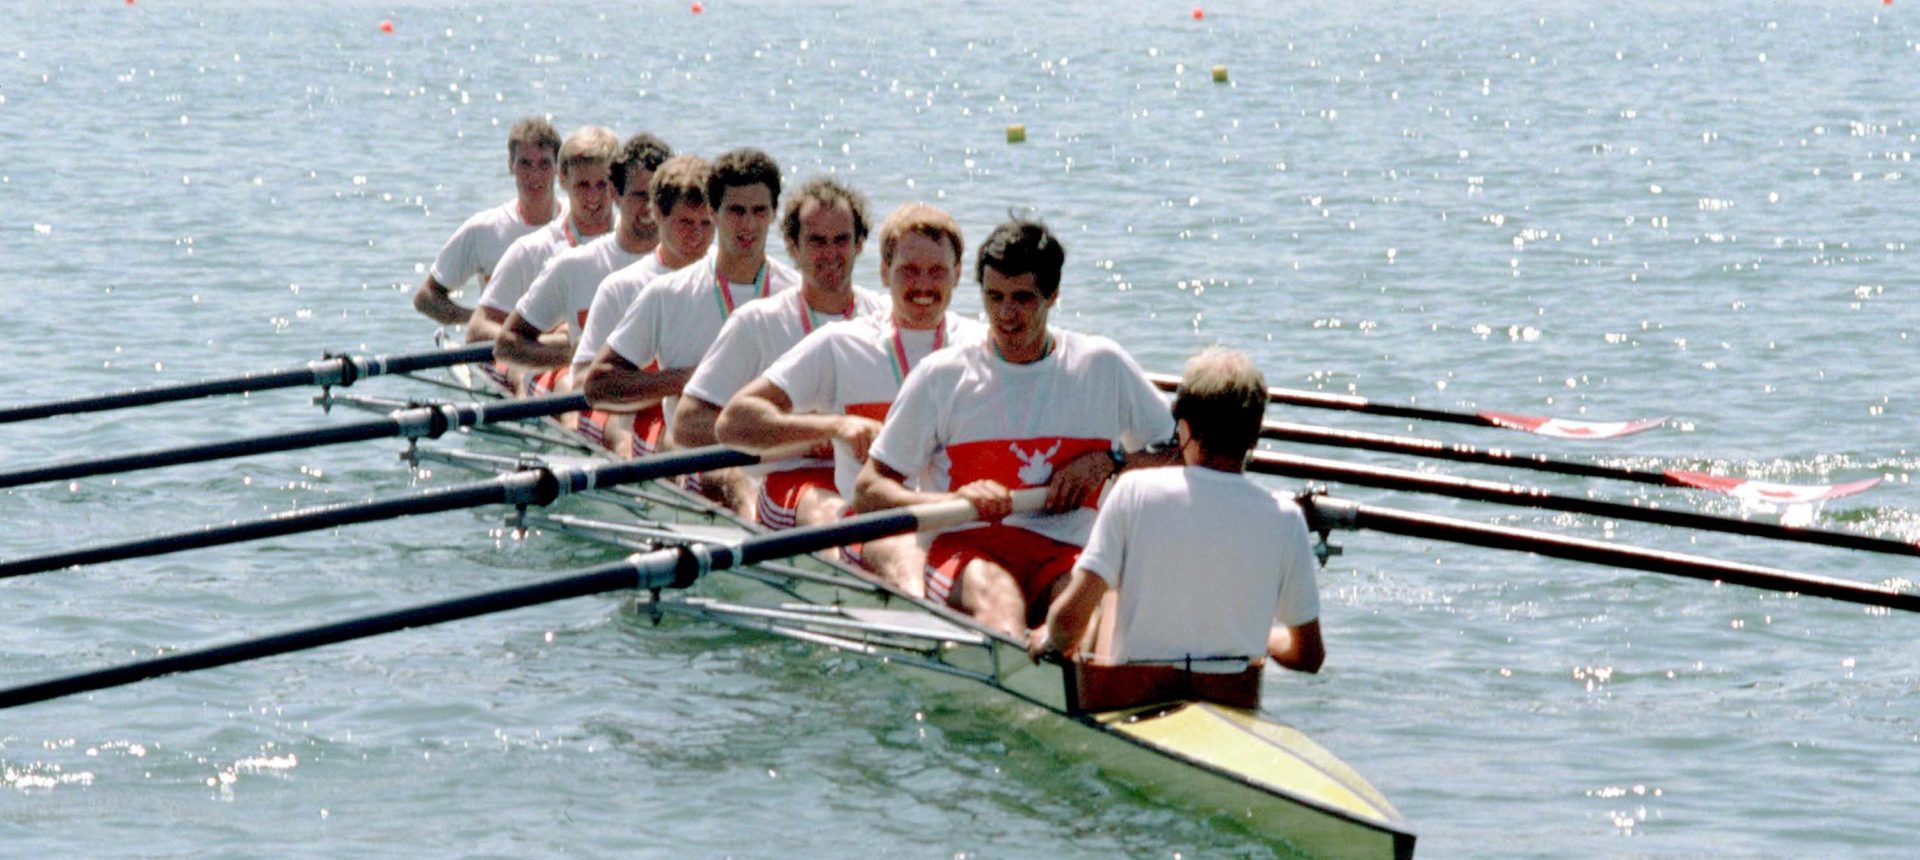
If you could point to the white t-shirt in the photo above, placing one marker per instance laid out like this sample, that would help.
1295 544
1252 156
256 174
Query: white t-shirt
523 261
610 302
477 246
756 337
678 315
855 367
564 289
966 415
1204 562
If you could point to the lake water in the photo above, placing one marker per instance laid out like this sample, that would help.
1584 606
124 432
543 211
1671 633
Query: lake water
1701 210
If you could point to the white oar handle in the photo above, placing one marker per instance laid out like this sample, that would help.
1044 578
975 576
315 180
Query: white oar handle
953 512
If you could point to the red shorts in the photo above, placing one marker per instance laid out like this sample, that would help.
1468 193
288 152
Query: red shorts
544 382
593 425
1036 561
649 428
780 494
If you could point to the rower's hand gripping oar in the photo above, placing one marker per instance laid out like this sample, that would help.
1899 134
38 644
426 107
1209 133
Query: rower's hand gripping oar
1330 513
428 422
333 370
540 485
1561 428
679 567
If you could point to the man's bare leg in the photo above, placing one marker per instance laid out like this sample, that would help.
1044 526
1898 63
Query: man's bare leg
900 561
989 593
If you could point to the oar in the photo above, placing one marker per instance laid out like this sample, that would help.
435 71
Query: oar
426 421
1316 469
1754 490
679 567
339 371
1560 428
531 486
1339 513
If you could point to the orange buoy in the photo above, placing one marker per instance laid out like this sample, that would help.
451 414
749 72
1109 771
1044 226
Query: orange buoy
386 26
697 8
1199 13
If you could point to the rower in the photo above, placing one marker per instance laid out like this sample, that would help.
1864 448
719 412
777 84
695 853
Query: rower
825 225
532 148
650 354
586 160
1030 407
838 382
545 324
685 226
1196 555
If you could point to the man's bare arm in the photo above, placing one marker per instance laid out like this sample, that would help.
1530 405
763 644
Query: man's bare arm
484 324
760 418
434 300
614 384
522 345
1298 648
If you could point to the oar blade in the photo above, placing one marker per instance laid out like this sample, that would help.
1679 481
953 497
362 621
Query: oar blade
1768 492
1568 428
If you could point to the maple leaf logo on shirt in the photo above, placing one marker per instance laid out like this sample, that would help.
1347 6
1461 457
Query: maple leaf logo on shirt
1037 470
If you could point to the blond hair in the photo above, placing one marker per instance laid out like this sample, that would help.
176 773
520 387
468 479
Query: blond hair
588 146
929 221
1223 399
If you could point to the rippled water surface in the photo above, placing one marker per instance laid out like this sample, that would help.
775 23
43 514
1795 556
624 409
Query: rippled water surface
1699 210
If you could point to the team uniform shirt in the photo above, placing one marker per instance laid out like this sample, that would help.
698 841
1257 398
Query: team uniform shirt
482 239
610 302
750 342
522 263
967 415
1203 562
565 288
678 315
855 367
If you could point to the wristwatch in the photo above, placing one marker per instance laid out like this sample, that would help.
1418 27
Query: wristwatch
1119 457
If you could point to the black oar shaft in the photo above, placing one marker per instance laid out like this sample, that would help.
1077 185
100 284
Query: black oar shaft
1312 435
1346 514
672 568
1349 403
426 421
432 501
538 486
341 370
599 580
1315 469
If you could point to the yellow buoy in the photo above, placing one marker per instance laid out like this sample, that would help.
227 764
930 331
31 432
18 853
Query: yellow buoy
1016 133
1219 74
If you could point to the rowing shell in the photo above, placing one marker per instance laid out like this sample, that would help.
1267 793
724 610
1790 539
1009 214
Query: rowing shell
1267 777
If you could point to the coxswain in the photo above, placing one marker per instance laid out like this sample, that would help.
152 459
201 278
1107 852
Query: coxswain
1211 575
533 147
1029 407
586 164
545 325
825 225
650 354
838 383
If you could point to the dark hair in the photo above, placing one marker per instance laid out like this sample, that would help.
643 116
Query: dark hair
680 179
642 151
1223 399
535 130
825 192
1021 247
742 167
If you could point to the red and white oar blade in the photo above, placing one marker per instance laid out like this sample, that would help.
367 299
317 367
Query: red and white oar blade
1567 428
1767 491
